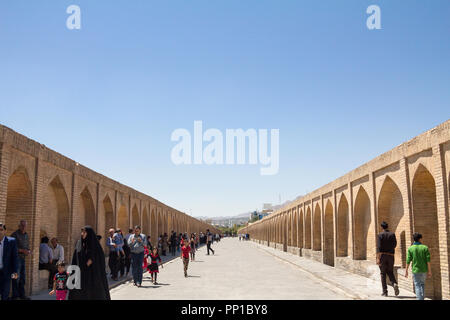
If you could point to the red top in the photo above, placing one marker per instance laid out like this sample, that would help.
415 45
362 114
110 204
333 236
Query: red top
186 251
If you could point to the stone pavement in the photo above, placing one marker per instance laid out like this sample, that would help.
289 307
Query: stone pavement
352 285
237 270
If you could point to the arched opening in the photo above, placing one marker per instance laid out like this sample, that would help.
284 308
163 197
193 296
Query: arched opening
329 235
308 229
136 220
362 223
55 215
153 226
426 223
19 207
300 229
289 229
160 224
343 227
390 210
317 229
87 209
146 222
122 219
108 217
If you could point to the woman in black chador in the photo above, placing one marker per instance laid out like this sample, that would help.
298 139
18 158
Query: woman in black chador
90 258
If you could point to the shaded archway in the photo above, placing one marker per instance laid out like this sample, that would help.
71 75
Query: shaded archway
136 220
55 220
343 227
328 249
87 209
362 223
19 207
308 229
122 219
317 229
153 226
146 222
426 223
300 229
390 210
108 217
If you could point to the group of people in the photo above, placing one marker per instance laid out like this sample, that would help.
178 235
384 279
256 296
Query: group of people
244 236
133 251
418 256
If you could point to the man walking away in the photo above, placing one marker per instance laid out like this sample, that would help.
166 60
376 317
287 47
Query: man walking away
209 240
386 244
420 257
9 262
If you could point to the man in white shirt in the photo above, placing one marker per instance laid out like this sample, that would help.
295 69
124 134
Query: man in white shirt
57 250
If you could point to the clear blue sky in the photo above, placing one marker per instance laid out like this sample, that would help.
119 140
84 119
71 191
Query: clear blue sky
110 95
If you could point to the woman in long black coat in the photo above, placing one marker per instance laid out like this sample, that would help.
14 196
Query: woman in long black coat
89 256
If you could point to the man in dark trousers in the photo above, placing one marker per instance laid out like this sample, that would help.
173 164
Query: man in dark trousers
23 247
209 240
386 243
9 262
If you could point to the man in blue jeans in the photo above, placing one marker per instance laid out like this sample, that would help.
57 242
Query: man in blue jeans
419 255
23 246
137 243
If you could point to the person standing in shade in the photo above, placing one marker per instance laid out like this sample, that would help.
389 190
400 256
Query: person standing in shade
419 256
386 244
185 250
89 257
137 243
9 262
209 240
23 246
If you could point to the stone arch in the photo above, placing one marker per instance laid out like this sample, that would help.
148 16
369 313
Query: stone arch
300 229
390 209
362 223
160 223
308 229
343 220
426 223
146 229
55 220
135 218
122 219
317 229
328 229
108 212
153 225
87 209
19 206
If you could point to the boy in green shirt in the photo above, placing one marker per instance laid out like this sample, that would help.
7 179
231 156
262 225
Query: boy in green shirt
419 255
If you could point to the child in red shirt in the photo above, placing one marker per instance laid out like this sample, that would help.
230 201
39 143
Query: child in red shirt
185 249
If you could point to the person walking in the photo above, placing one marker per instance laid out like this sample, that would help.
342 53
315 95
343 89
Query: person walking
23 247
90 258
192 244
9 262
185 250
209 240
386 244
113 261
419 256
124 255
137 243
153 266
60 282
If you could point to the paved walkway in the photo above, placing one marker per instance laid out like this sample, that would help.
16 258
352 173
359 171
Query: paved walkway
238 270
